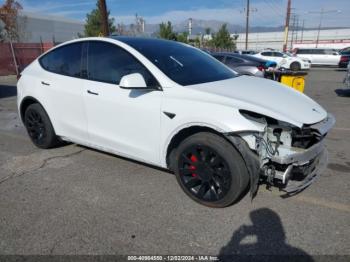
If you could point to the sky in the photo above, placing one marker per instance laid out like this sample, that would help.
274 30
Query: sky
263 12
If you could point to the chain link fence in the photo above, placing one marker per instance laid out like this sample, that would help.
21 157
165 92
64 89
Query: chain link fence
14 57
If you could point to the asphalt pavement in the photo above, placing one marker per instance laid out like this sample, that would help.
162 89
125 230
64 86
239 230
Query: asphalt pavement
75 200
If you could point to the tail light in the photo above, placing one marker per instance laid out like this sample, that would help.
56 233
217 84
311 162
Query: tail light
344 59
261 67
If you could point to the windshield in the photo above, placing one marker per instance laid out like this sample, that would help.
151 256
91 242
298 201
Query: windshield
183 64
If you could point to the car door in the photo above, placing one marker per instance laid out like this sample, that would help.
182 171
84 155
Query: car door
332 57
64 90
305 53
281 60
319 56
123 121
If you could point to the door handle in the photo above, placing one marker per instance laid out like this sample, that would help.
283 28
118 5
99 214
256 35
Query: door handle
44 83
92 93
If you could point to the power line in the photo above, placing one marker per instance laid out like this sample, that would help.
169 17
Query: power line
322 13
272 7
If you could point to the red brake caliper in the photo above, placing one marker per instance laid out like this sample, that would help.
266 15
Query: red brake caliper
192 167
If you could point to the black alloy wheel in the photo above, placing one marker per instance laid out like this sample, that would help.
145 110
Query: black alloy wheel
204 173
39 127
210 170
295 66
35 126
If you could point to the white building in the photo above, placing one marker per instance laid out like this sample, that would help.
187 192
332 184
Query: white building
329 38
35 28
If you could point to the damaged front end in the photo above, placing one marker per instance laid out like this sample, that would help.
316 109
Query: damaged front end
283 155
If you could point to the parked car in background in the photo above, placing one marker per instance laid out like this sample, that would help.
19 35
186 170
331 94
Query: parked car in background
346 80
344 58
319 56
284 60
245 64
245 52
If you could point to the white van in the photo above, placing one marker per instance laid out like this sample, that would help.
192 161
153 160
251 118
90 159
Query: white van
319 56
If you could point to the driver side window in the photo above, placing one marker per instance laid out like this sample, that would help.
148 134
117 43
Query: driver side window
278 54
109 63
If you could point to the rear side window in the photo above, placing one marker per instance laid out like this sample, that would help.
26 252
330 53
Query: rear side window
220 58
277 54
304 51
266 53
65 60
318 51
330 51
109 63
233 60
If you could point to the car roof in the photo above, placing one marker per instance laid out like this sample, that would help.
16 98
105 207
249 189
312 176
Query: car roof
131 40
312 48
245 57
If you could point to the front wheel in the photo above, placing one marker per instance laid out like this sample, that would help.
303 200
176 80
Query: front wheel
295 66
210 170
39 127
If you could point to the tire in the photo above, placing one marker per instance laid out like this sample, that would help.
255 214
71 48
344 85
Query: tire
210 170
295 66
39 127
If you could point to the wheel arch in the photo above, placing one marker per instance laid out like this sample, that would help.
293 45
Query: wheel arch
182 134
295 63
27 101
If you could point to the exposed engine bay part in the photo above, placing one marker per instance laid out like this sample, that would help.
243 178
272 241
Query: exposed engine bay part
287 157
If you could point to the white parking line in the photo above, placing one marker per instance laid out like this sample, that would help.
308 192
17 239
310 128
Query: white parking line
341 128
310 200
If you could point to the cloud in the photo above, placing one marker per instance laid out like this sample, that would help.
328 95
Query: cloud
225 15
58 7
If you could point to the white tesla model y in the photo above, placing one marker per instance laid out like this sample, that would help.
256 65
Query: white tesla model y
174 106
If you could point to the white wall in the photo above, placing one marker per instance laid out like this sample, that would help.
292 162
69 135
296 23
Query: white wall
330 38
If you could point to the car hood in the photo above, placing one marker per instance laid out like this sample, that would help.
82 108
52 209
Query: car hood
265 97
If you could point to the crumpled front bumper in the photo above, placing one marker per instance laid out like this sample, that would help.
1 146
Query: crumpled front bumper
305 164
311 171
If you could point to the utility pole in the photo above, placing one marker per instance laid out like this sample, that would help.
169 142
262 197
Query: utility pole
302 31
286 27
297 29
292 28
104 17
319 27
247 26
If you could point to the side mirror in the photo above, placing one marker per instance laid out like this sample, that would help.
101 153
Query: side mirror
133 81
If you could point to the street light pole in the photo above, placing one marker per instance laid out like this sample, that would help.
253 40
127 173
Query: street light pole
247 26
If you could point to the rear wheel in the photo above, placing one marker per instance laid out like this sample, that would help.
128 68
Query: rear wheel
210 170
39 127
295 66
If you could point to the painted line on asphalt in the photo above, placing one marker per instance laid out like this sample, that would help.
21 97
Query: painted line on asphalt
341 128
311 200
323 203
